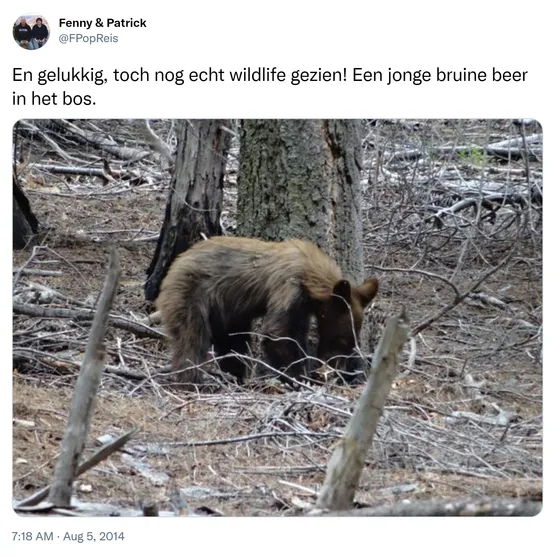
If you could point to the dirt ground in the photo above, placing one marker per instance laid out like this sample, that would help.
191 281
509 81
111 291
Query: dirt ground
464 418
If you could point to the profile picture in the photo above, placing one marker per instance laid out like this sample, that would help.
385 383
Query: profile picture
31 32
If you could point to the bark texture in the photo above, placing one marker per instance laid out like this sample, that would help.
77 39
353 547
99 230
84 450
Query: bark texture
195 199
301 179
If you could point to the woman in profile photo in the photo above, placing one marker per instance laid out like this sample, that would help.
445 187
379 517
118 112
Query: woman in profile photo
23 34
39 33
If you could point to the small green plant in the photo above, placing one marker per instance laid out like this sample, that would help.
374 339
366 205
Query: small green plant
475 156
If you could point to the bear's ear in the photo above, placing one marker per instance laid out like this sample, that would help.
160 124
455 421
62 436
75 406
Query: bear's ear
342 288
367 290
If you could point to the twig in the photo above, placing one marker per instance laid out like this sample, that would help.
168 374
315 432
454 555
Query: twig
299 487
420 272
244 438
102 454
24 266
458 299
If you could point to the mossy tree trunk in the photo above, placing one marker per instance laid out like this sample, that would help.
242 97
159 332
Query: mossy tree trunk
301 178
195 200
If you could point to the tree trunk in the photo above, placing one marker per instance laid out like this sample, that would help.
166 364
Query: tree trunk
25 224
195 200
301 178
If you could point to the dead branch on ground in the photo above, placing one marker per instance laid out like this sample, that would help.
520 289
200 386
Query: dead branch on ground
347 460
513 148
84 395
83 315
102 454
481 507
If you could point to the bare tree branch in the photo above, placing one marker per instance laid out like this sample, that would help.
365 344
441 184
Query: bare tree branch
34 310
85 392
458 299
347 460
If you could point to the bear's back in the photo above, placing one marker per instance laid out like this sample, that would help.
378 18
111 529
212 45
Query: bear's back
226 267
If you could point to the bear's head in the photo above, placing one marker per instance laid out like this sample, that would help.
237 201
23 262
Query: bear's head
340 320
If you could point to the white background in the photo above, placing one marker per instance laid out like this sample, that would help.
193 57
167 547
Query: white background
289 35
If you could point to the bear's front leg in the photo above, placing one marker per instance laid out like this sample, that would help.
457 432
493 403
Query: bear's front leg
230 347
285 342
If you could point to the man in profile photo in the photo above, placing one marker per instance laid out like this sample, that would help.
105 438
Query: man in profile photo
39 32
23 35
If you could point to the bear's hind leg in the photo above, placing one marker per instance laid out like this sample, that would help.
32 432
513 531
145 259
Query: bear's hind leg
191 341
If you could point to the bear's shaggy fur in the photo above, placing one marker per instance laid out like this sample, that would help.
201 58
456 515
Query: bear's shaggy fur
215 289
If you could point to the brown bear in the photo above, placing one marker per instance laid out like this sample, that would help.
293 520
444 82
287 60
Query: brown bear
214 290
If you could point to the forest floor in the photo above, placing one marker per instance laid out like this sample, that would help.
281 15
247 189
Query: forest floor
464 418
